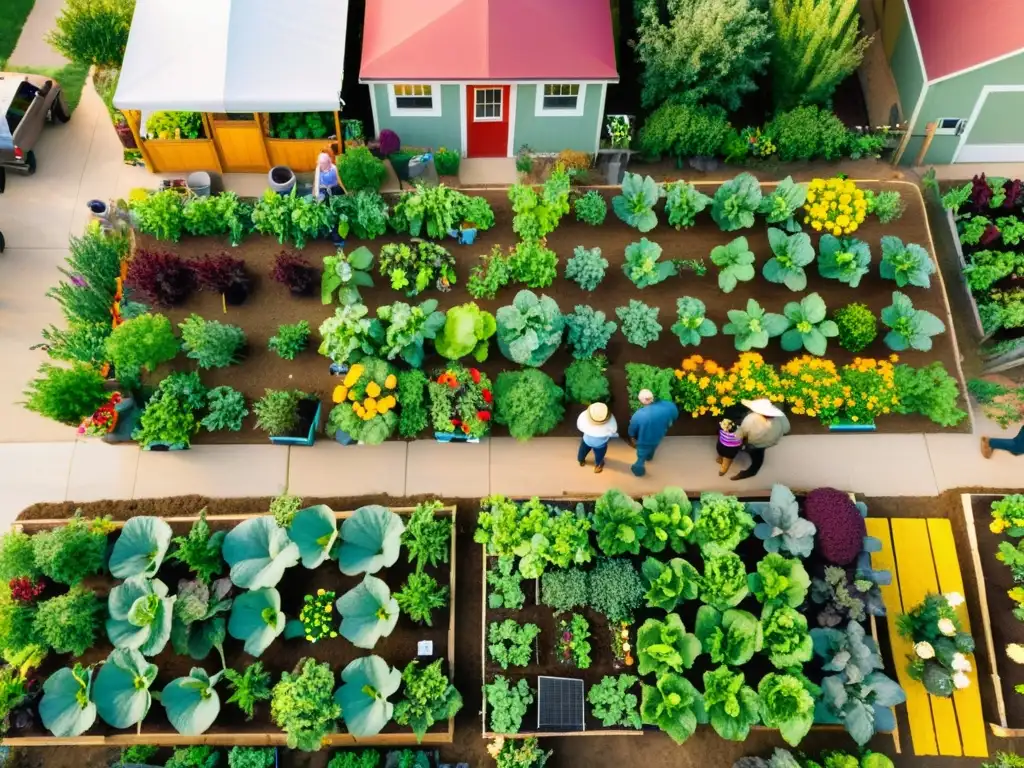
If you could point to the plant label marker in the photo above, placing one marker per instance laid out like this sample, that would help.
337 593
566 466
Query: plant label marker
425 648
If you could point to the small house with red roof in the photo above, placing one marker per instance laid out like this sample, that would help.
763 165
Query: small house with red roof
487 77
959 64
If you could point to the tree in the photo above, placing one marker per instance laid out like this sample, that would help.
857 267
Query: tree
93 32
709 51
816 45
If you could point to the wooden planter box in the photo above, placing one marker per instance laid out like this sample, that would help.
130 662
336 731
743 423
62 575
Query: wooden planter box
976 316
298 154
182 155
256 738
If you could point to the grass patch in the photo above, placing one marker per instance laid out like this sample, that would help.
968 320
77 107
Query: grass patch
71 78
12 18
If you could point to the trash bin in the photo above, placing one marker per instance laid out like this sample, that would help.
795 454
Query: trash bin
199 183
421 168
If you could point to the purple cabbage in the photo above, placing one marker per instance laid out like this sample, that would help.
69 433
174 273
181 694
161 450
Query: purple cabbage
841 528
388 142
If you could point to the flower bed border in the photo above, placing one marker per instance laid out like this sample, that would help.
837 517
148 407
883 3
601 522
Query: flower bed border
525 733
274 738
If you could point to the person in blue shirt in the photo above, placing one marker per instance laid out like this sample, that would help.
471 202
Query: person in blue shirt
648 426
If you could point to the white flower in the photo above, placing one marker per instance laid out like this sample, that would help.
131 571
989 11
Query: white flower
960 663
1015 651
947 627
954 599
961 681
924 650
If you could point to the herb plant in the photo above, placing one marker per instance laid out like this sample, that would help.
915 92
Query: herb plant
226 408
17 559
68 623
248 688
591 208
929 391
507 704
420 596
635 204
909 328
66 395
564 589
251 757
615 589
210 343
586 268
612 703
290 340
200 550
533 264
586 382
427 536
73 551
639 323
302 705
588 333
277 411
857 325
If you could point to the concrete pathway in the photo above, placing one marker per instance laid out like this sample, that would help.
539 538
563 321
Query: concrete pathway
32 49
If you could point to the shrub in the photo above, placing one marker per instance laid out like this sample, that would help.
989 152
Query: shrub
66 395
564 589
588 332
93 265
586 382
412 390
71 552
277 411
532 264
210 343
681 131
929 391
808 133
302 705
141 344
17 559
841 528
93 33
226 409
447 161
162 279
639 322
888 206
591 208
586 268
858 327
616 589
359 169
530 329
290 340
68 623
252 757
528 402
295 273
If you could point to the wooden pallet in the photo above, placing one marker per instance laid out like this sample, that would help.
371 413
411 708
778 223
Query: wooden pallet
921 555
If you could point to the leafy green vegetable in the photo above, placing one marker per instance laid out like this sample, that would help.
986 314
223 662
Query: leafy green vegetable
792 254
509 644
346 274
731 637
779 580
682 204
736 202
665 646
736 262
754 327
257 619
530 329
668 520
808 327
528 402
366 685
909 328
635 205
846 260
507 704
303 707
191 702
781 203
786 704
722 523
537 215
121 688
642 266
466 331
639 322
724 584
786 639
586 268
368 612
619 523
140 615
588 333
66 708
401 330
613 704
692 324
669 584
258 552
732 706
140 548
907 264
370 540
429 698
782 529
674 705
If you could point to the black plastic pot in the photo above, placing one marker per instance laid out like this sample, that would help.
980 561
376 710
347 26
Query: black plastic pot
237 293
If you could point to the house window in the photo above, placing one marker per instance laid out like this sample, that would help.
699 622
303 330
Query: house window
487 105
560 99
950 126
415 99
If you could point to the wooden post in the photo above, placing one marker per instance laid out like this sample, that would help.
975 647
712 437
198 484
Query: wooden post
929 134
263 138
208 128
133 116
337 130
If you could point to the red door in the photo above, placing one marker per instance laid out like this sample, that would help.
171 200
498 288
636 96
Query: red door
487 120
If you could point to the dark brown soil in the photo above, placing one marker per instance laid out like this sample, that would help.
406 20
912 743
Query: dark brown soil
271 305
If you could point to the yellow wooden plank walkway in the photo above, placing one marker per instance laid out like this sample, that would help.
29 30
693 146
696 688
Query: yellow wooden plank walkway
922 557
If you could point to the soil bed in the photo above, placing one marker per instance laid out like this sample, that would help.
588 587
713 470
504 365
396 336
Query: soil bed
271 304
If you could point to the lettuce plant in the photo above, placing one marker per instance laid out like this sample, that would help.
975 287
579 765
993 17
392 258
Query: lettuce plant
732 705
668 520
366 685
505 526
808 327
612 703
588 332
528 402
258 551
907 264
401 330
642 266
586 267
368 612
533 264
140 549
792 254
419 596
345 275
779 580
862 707
786 704
121 688
736 202
752 328
314 531
722 523
682 204
139 615
192 702
674 705
781 527
635 205
302 705
724 583
786 639
530 329
735 261
691 323
731 637
370 540
669 584
537 214
781 203
467 331
66 708
849 652
664 646
619 523
507 704
345 333
510 643
639 322
256 619
909 328
846 260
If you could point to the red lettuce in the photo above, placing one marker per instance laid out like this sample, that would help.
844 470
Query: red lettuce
841 528
981 193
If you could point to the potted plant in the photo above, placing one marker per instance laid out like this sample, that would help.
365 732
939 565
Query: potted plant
460 404
289 417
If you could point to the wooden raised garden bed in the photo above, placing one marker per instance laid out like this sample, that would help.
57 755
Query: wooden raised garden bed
604 661
231 729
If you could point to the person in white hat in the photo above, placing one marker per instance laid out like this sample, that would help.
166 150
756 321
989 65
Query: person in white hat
598 427
760 429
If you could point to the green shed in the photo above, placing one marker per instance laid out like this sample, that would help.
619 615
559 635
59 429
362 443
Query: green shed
959 65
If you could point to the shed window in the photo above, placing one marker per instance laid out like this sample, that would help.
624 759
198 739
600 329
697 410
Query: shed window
950 126
565 99
414 96
487 103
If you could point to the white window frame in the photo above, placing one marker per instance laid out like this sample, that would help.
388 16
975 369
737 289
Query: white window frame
397 111
501 103
581 101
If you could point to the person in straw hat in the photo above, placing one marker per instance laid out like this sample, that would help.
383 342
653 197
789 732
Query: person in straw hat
598 427
760 430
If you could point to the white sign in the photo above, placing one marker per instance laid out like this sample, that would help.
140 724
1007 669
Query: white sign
425 648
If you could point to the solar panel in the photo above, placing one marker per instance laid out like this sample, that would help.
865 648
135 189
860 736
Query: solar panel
559 704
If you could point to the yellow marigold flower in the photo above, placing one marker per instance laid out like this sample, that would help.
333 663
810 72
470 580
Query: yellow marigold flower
370 403
391 381
340 393
352 394
321 592
703 383
845 198
816 225
373 389
842 220
679 374
811 196
353 375
852 227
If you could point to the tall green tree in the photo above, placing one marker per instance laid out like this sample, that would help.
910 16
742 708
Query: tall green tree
816 44
700 51
93 32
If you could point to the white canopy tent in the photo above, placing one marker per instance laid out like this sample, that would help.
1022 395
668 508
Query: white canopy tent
234 56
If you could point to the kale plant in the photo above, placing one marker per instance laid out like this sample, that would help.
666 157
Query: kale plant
735 261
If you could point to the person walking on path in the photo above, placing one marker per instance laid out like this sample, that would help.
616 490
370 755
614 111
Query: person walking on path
648 426
598 427
1014 445
760 429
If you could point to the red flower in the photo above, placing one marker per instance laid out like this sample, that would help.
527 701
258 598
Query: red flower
475 375
456 422
24 590
483 415
453 383
488 397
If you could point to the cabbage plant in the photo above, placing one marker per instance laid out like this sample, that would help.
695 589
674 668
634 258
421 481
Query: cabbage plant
370 540
530 329
191 702
792 254
736 202
139 615
258 552
635 205
863 707
779 580
642 265
846 260
665 646
781 527
256 618
197 628
366 684
682 204
368 612
786 639
121 688
66 708
754 327
787 703
140 548
907 264
808 327
909 328
781 203
314 531
674 705
400 330
731 704
691 323
728 637
669 584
